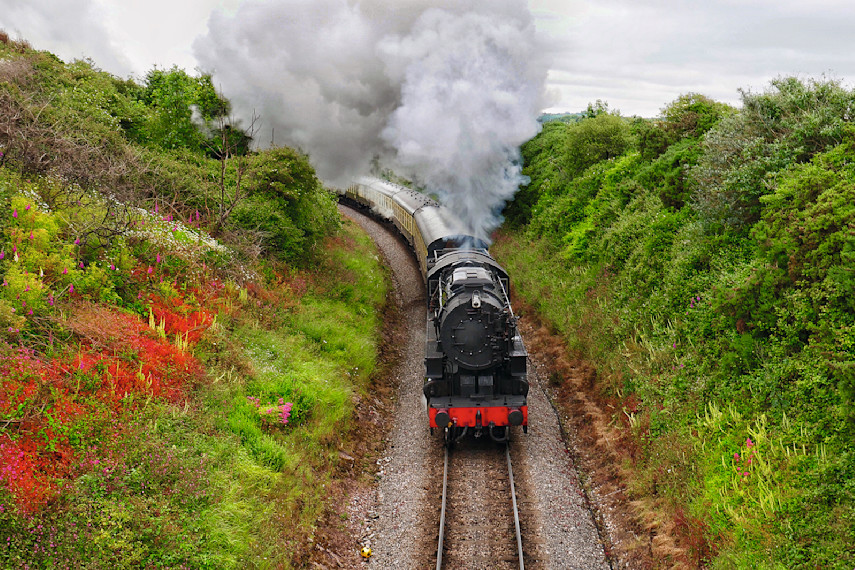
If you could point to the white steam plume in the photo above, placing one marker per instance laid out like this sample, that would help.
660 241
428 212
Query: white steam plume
444 91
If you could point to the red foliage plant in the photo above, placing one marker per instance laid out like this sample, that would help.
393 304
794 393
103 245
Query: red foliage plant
43 403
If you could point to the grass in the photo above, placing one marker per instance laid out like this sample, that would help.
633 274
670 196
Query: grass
212 439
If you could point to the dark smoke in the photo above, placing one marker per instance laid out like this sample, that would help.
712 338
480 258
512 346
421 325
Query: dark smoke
443 91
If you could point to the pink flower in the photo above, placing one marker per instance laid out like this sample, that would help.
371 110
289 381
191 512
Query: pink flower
65 271
749 443
158 258
15 213
736 457
150 269
71 288
2 254
28 207
113 267
77 241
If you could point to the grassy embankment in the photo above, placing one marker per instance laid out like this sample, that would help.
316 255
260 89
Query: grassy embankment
167 399
704 263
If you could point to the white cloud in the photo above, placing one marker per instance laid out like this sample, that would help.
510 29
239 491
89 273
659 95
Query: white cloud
641 55
637 54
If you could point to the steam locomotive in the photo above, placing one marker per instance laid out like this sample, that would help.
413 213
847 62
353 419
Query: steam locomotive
475 360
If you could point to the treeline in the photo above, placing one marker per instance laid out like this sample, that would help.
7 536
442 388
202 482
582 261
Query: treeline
167 139
704 261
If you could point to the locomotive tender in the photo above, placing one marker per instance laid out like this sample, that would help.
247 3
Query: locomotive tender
475 360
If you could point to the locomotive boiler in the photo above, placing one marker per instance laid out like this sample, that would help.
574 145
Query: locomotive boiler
475 360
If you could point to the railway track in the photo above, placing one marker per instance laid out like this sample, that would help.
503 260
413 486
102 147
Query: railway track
479 520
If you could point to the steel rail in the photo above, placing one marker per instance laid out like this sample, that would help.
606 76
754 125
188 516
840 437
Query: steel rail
513 503
516 511
442 512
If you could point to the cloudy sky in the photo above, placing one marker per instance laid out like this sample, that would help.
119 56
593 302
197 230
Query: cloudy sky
637 55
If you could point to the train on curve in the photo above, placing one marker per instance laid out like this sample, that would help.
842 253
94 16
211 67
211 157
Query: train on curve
475 360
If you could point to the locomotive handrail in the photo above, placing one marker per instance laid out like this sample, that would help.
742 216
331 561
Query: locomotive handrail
508 297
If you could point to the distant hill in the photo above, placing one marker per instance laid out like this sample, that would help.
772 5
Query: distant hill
561 117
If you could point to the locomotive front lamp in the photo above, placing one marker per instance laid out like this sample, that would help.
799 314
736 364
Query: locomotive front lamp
476 300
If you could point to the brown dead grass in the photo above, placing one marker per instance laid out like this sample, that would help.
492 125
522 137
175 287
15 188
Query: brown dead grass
102 327
639 534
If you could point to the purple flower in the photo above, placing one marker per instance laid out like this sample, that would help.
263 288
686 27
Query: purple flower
77 241
15 213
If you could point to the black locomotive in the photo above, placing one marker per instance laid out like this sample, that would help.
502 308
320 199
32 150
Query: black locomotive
475 360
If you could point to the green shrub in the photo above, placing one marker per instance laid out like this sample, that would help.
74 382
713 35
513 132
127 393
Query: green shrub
774 130
287 205
711 275
594 140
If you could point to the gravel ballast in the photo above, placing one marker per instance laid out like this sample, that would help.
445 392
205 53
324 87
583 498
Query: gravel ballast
398 517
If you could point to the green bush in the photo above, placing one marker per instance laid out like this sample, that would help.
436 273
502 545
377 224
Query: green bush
709 273
594 140
774 130
287 205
